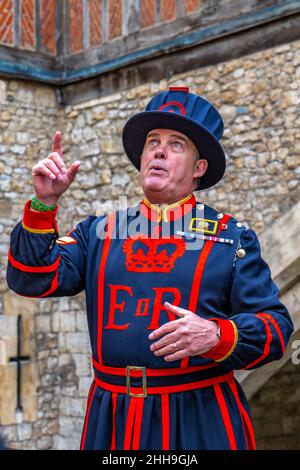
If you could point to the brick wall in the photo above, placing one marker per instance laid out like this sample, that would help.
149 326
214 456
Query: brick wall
27 24
47 22
257 98
76 25
7 22
33 26
18 24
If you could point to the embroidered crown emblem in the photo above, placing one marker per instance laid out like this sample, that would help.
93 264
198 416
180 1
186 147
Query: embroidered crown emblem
151 255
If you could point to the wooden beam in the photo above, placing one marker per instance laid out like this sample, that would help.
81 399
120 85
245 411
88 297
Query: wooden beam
176 62
201 45
16 23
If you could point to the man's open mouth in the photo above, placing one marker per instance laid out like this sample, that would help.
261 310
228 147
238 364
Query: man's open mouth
157 169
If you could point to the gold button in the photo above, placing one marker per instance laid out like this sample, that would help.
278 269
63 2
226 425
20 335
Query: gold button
241 253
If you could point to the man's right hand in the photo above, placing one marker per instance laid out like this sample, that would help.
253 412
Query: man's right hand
50 176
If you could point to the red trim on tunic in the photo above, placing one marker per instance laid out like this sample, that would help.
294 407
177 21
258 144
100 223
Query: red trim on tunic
53 287
266 350
196 286
227 341
87 415
165 421
276 327
151 372
32 269
226 417
246 421
195 290
114 397
106 245
173 212
39 220
129 424
167 389
134 424
138 423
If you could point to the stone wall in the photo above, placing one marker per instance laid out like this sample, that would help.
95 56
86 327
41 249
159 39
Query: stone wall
27 118
276 411
258 96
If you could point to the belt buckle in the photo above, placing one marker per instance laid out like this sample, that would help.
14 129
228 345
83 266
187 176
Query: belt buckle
144 382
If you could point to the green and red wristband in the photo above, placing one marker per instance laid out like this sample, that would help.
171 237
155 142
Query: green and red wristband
40 206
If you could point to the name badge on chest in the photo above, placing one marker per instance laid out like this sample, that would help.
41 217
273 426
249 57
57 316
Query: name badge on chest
204 225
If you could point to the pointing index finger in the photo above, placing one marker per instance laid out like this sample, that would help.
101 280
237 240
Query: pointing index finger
56 143
181 312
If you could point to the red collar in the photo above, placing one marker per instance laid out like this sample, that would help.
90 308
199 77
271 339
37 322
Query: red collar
167 213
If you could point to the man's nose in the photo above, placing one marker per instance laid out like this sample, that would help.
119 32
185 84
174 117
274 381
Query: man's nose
160 152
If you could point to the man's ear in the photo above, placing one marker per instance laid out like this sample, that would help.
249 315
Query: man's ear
200 168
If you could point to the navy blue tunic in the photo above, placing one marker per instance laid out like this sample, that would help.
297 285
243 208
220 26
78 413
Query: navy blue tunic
129 263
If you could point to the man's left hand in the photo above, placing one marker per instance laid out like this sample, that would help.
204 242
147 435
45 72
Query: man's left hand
189 335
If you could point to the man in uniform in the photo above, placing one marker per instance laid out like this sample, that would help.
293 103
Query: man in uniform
177 293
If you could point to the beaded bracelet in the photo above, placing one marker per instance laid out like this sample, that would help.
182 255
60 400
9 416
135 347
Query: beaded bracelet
39 206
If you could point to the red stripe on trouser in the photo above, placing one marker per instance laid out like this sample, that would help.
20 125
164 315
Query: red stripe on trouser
133 424
138 423
225 417
247 425
87 415
165 421
198 277
129 423
114 397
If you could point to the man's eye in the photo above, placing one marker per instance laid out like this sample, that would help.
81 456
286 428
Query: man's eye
177 144
152 142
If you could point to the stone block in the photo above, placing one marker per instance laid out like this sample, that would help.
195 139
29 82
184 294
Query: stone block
72 407
67 322
76 342
24 431
67 443
8 395
81 322
43 323
45 97
14 304
84 386
83 364
2 91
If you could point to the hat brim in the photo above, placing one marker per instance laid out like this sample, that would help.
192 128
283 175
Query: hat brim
137 127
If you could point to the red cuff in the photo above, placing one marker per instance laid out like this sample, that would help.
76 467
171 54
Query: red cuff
227 343
39 222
